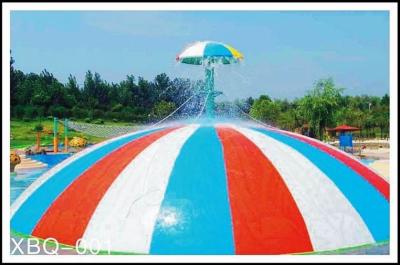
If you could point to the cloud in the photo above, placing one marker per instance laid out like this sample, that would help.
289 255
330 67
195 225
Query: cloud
139 23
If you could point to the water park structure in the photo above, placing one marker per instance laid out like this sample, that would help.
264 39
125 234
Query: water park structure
221 187
209 54
55 135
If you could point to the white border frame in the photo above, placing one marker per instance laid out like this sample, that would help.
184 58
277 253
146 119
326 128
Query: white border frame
391 7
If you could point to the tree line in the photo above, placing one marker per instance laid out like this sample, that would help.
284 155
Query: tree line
138 100
131 100
324 106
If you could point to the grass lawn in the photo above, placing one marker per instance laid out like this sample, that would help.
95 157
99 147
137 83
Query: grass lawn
23 135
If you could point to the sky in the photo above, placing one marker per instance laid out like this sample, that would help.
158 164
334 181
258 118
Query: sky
285 52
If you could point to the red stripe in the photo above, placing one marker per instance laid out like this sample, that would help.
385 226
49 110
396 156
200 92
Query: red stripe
374 179
265 216
68 216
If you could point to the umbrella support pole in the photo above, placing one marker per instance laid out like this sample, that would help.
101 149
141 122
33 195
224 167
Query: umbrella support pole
210 103
55 135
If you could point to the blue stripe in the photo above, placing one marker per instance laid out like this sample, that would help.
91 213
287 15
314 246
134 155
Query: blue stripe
30 212
195 217
215 49
368 202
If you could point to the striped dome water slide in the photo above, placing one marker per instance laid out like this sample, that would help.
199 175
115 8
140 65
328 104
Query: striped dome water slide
196 189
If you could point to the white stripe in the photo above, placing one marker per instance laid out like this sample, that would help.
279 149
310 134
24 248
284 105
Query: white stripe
48 174
331 220
195 50
125 217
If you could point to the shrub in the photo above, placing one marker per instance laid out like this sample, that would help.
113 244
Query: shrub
98 113
58 111
79 112
127 116
111 115
40 111
38 127
30 112
141 117
117 108
98 121
88 120
163 108
17 111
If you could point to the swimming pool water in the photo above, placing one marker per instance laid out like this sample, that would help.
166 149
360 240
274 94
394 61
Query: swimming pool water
50 160
21 180
367 161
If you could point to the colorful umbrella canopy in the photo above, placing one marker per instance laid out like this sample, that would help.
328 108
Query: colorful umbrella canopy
196 189
203 52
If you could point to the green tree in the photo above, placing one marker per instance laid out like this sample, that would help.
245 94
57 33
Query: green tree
163 108
101 92
73 90
147 95
320 104
129 92
265 109
180 90
382 118
16 78
385 101
162 85
89 93
287 120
